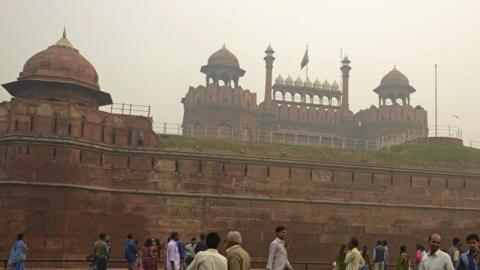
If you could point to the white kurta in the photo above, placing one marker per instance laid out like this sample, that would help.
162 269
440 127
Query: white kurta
173 256
209 259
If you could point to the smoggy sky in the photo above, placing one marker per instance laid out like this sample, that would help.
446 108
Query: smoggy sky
150 52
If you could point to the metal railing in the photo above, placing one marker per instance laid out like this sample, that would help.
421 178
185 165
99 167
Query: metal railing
130 109
474 144
287 136
445 131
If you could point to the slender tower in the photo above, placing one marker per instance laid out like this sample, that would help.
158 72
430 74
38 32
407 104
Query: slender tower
268 76
345 76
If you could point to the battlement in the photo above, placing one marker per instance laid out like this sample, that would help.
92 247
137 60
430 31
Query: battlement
72 120
212 95
393 112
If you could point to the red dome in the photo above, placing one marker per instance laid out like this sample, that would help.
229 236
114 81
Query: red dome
61 63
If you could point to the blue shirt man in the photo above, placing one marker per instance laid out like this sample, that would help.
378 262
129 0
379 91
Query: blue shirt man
131 252
181 249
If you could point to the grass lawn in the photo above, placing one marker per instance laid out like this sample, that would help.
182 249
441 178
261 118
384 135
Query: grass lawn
418 155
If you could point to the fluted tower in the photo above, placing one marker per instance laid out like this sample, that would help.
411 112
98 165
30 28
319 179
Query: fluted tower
345 76
268 76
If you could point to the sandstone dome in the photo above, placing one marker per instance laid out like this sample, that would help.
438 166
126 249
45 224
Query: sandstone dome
395 77
223 57
63 63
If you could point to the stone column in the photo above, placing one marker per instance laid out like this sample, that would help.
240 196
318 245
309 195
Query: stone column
345 76
268 76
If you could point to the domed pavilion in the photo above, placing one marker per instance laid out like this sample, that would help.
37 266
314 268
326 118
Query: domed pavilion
59 73
394 86
222 66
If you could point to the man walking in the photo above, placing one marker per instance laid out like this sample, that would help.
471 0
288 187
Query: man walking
209 259
469 259
353 259
277 256
237 257
379 256
101 252
173 255
181 251
190 251
437 259
131 252
454 251
387 254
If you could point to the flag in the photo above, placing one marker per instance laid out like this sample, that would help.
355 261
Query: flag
304 60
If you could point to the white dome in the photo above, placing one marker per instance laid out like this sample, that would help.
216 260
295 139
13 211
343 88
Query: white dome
335 85
317 84
326 85
298 82
289 80
279 79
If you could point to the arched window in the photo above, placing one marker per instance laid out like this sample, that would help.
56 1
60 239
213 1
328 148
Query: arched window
278 95
325 101
297 98
288 97
334 101
308 99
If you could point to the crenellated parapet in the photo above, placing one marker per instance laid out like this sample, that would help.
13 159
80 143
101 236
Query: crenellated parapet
392 119
314 94
44 118
213 110
213 95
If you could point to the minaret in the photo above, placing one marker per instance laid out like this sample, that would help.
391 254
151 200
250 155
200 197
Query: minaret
268 76
345 75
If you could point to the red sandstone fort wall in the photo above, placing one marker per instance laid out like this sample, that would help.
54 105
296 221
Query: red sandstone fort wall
62 203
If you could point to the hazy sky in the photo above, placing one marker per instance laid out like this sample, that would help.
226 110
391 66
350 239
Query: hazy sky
150 52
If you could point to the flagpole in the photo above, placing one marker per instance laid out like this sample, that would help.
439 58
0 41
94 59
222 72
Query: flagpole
307 71
436 122
307 64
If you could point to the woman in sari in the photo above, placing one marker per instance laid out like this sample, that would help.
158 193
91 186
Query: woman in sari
403 260
156 252
148 259
18 253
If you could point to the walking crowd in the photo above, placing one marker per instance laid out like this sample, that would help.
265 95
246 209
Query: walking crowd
204 254
350 258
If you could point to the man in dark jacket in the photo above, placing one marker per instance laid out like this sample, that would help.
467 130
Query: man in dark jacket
379 256
131 252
